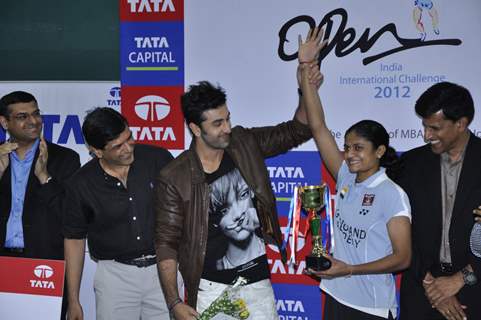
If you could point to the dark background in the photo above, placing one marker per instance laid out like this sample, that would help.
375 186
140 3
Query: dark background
59 40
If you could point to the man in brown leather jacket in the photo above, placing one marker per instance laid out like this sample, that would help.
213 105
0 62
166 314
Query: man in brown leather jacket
215 207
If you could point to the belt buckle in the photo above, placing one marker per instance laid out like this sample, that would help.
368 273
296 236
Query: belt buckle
140 259
143 261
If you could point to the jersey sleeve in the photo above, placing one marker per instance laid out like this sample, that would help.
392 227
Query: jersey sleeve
397 204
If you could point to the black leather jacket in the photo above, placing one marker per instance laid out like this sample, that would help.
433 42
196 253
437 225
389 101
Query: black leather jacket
182 196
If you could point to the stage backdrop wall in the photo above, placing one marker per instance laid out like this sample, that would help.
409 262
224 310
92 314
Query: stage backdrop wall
375 66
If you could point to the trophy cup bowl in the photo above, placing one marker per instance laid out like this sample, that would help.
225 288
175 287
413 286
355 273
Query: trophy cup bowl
312 200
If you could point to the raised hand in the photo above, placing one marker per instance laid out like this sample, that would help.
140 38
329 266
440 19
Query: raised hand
5 150
41 164
307 55
308 51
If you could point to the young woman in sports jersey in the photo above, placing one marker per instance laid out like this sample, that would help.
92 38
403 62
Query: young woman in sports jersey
372 214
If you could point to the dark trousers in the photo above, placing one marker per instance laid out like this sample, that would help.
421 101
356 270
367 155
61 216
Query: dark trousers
415 305
334 310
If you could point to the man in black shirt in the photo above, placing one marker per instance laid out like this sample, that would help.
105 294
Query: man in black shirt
109 200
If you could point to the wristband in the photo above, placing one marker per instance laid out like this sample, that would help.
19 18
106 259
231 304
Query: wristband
172 305
302 62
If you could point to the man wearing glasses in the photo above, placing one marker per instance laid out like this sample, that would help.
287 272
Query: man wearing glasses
32 176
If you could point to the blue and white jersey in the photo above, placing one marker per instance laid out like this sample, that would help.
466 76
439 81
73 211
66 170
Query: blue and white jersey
360 233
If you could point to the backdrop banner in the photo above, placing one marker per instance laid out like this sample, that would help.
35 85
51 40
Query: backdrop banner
379 58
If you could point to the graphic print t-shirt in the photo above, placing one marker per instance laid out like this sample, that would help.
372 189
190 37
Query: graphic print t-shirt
235 246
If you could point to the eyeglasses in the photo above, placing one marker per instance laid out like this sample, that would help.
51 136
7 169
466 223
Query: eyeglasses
23 116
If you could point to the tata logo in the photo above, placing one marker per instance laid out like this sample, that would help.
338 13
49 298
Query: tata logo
151 42
278 267
153 133
301 241
115 94
42 272
152 108
290 305
151 6
285 172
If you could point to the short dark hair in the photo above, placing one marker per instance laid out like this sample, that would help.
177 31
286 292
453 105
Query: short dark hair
201 97
454 100
12 98
102 125
375 133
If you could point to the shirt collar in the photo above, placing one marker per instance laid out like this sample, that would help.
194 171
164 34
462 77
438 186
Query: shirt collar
445 156
30 154
374 180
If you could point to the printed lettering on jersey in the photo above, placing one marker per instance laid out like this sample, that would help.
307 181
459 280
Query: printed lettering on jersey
154 115
151 10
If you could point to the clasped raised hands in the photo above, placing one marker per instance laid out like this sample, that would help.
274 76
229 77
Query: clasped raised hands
308 54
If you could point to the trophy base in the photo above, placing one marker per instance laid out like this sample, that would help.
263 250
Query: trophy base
317 263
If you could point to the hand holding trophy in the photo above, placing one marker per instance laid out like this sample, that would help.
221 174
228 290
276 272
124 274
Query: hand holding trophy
313 201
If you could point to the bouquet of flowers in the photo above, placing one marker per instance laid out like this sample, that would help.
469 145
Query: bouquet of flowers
228 305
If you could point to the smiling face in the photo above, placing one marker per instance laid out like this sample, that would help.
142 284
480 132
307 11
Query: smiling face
24 122
120 151
442 134
214 131
361 157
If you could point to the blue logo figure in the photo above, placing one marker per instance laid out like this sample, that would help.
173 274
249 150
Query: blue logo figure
419 7
115 92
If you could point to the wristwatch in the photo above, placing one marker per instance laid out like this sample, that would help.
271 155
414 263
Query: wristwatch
469 277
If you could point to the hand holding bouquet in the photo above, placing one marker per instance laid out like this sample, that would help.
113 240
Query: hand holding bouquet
228 305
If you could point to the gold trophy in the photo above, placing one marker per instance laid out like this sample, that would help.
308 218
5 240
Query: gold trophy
312 200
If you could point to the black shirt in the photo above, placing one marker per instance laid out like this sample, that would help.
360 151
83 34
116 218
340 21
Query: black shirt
118 221
235 246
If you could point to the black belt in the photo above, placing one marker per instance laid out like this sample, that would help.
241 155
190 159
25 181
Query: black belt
14 250
142 262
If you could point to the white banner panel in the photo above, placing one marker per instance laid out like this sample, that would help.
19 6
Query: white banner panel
236 43
377 63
